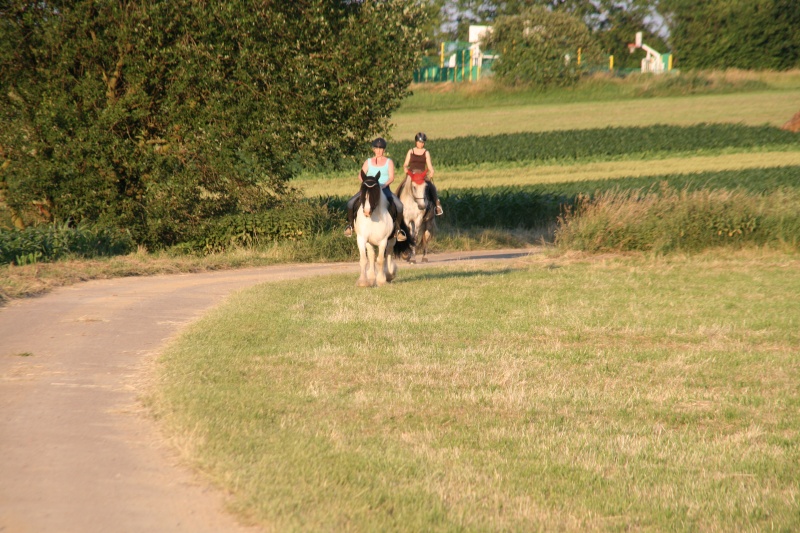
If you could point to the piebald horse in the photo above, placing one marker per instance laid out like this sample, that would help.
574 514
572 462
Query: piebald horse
375 228
418 212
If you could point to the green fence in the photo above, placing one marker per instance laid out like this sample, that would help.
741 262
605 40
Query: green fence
457 61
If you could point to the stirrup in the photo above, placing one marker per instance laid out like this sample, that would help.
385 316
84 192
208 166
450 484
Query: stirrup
400 235
348 231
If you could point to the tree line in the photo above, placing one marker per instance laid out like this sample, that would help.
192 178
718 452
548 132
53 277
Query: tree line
708 34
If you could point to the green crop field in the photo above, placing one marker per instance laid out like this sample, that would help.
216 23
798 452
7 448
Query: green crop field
651 390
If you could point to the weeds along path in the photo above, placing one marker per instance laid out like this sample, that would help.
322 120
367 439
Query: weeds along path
78 452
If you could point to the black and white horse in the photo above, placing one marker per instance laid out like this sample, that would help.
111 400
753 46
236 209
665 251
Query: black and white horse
375 229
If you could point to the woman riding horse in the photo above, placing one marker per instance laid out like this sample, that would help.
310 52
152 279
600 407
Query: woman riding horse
383 166
418 213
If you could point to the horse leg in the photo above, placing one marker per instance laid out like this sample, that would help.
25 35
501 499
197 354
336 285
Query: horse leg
363 280
425 238
391 266
380 265
412 254
371 270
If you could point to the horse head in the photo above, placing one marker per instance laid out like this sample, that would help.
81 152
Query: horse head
370 192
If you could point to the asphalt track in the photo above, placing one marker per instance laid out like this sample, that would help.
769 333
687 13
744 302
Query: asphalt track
78 452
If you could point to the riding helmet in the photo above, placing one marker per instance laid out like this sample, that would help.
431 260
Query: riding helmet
420 137
380 142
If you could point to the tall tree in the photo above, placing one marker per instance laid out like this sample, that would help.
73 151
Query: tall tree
154 115
540 47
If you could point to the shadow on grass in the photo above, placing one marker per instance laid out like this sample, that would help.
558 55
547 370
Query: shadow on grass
409 277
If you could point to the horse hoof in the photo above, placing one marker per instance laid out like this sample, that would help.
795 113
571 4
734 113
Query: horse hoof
424 259
363 283
412 261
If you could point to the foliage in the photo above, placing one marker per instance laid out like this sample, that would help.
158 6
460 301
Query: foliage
157 116
292 222
605 142
760 34
680 220
55 241
540 47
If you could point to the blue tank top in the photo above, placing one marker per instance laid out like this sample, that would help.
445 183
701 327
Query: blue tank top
384 170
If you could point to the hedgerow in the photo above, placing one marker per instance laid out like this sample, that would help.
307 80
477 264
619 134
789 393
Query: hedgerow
56 241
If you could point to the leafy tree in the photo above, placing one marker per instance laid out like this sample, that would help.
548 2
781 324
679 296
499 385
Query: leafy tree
759 34
540 47
156 115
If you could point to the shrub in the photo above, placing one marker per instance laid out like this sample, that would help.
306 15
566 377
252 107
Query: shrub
56 241
292 222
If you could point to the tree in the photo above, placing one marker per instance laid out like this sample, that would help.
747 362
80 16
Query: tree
760 34
157 115
540 47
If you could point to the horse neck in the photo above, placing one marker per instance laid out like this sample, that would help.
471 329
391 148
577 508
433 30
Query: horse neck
407 190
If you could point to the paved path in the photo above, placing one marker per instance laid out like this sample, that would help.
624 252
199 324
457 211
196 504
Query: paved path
78 454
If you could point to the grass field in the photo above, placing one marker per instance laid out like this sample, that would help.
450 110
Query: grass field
554 393
559 392
772 107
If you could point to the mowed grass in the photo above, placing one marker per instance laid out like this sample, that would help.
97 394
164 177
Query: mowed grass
552 393
753 108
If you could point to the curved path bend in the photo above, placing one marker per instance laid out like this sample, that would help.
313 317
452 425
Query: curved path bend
78 453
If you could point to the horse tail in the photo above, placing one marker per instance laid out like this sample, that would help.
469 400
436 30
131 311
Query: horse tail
401 247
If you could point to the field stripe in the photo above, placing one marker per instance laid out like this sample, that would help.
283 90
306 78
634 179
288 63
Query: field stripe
755 109
533 174
530 174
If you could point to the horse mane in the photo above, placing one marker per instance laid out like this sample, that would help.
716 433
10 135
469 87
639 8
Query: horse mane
370 190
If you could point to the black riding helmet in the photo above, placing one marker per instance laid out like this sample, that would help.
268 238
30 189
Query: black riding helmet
380 142
420 137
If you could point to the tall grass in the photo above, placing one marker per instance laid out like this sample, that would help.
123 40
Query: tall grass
670 219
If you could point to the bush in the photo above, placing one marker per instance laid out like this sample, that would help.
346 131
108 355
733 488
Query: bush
56 241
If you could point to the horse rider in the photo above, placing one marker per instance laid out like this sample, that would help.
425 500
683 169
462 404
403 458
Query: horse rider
371 167
418 161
